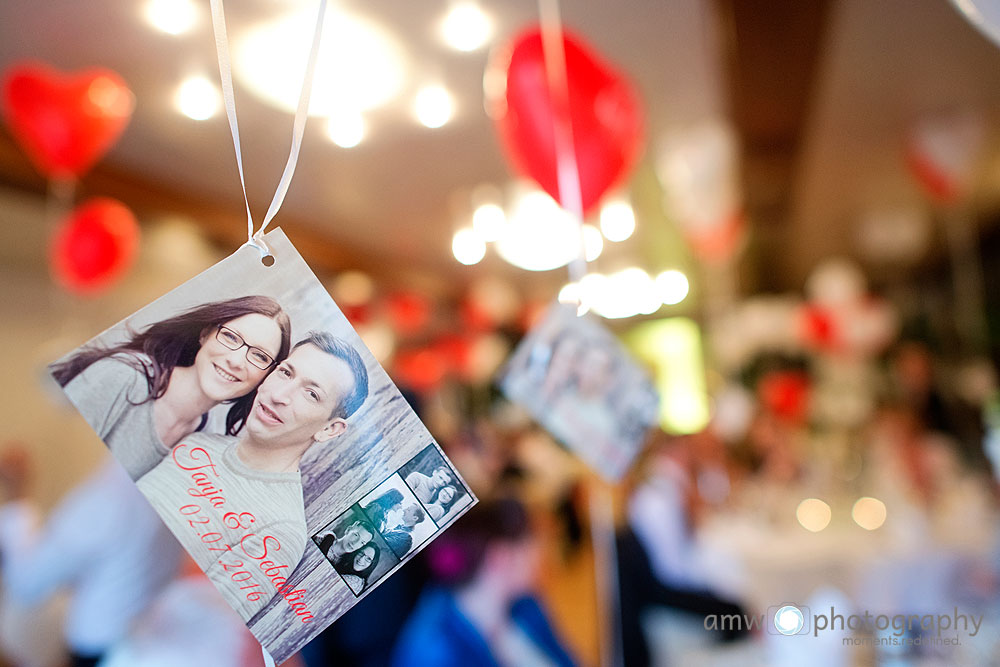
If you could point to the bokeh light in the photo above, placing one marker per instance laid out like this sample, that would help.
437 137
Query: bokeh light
869 513
198 98
468 247
813 514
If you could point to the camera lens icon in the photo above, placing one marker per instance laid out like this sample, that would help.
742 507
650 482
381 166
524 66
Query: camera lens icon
788 620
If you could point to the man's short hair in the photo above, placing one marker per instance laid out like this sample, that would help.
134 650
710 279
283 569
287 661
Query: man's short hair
446 469
417 512
345 352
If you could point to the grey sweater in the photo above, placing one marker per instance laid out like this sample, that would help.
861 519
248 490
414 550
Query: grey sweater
109 394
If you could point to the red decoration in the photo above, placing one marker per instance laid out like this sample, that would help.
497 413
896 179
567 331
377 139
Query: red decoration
421 369
786 394
65 122
475 317
409 312
604 113
943 152
935 182
356 314
818 328
456 351
94 246
716 243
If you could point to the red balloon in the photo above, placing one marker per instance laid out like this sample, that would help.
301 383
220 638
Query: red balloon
604 112
94 245
65 122
455 350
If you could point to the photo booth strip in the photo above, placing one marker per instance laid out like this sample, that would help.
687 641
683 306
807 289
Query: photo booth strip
429 458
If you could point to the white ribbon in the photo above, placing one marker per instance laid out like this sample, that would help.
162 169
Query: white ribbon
567 169
255 239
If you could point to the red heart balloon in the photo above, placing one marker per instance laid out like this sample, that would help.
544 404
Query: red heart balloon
65 122
604 112
94 245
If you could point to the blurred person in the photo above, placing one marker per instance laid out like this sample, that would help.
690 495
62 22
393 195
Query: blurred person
145 394
304 402
658 565
940 408
103 543
366 634
484 613
913 465
356 567
188 624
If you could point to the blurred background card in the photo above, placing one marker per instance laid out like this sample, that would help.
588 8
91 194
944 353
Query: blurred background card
579 382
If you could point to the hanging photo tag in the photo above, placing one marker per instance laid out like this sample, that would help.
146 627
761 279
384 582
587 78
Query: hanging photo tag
578 381
269 440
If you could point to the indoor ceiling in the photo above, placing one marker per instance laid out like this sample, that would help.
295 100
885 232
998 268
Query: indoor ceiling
821 95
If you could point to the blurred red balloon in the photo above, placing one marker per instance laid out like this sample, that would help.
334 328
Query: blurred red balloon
422 370
604 113
409 312
65 122
455 349
94 246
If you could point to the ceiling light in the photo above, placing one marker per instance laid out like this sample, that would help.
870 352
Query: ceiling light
433 106
346 129
570 293
593 242
672 287
360 65
489 220
539 235
198 98
173 17
627 293
468 247
466 27
617 220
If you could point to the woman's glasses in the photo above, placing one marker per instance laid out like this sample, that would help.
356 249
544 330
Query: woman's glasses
234 341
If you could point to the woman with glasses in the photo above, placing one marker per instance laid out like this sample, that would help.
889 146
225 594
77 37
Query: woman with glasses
356 567
142 396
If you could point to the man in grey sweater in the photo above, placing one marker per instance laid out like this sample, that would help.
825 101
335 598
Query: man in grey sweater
235 503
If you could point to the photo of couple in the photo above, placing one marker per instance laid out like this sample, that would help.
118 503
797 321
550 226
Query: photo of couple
579 382
248 412
357 550
398 516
